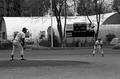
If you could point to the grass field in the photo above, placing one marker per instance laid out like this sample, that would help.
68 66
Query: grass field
61 64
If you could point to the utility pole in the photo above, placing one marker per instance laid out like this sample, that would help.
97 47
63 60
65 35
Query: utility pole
51 25
65 23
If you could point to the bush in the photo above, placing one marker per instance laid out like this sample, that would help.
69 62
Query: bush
109 37
44 43
29 42
5 44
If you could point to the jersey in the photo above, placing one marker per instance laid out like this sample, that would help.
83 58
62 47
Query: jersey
19 36
99 43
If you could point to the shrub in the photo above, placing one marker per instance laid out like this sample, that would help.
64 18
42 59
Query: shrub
109 37
5 44
44 43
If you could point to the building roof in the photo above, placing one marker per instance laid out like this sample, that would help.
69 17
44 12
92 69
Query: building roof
113 19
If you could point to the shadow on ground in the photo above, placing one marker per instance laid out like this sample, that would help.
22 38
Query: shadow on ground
37 63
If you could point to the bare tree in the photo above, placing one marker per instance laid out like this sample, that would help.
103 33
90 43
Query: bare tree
99 9
61 8
35 7
85 7
13 7
57 9
65 22
92 7
116 6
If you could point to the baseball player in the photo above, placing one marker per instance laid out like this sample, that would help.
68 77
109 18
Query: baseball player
98 47
18 42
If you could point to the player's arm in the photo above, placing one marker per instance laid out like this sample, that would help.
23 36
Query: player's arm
96 43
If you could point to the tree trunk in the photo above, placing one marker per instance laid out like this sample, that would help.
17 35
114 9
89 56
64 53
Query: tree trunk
59 26
65 25
89 19
98 26
97 32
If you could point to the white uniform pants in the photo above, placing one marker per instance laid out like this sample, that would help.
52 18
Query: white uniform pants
98 49
17 45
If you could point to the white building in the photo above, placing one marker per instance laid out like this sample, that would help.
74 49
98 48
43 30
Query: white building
3 32
111 25
36 24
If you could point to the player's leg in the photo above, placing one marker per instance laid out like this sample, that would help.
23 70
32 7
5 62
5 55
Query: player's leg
101 50
102 53
22 52
23 43
12 53
14 45
94 50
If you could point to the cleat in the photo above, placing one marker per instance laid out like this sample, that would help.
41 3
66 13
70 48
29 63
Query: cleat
12 57
93 54
22 59
102 55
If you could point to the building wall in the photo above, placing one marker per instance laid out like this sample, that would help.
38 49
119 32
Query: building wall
109 28
37 24
3 33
